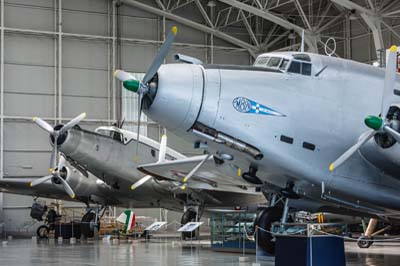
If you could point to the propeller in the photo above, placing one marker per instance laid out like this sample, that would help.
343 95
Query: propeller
56 133
161 158
143 88
196 168
377 124
56 177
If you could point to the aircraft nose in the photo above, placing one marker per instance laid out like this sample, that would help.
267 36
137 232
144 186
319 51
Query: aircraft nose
179 95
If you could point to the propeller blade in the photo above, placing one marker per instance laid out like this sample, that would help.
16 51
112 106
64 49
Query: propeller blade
139 104
40 180
141 182
53 157
363 139
43 124
123 75
390 79
61 163
67 188
72 123
392 132
158 60
196 168
163 148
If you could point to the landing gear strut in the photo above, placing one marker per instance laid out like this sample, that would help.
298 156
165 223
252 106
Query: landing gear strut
90 223
264 220
190 215
366 240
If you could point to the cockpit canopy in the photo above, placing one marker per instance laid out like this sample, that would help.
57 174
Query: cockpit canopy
297 63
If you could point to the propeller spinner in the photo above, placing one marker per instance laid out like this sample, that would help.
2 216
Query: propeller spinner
56 177
56 133
377 124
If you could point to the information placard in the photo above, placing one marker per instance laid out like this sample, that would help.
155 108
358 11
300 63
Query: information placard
155 226
190 227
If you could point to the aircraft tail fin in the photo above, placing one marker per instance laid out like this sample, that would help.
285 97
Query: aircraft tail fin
128 218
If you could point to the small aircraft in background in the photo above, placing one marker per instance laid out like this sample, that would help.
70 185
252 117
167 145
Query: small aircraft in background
99 167
286 124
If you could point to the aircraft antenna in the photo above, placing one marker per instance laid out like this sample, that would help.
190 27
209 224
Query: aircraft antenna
302 41
332 51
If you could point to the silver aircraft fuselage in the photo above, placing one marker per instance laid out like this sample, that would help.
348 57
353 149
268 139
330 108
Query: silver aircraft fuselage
111 158
299 123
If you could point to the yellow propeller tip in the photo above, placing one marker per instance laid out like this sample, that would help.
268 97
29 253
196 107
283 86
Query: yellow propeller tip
115 73
73 196
393 48
51 170
34 119
239 172
30 184
183 187
185 179
331 167
175 30
132 187
164 136
84 115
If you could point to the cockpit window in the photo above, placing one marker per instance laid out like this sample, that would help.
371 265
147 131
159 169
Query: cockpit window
261 61
306 69
302 57
295 67
274 62
283 64
300 68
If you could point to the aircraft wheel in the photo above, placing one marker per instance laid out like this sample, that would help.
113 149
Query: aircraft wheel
189 216
88 224
364 242
42 231
264 220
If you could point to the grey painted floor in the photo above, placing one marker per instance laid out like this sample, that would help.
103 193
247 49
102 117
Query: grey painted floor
25 252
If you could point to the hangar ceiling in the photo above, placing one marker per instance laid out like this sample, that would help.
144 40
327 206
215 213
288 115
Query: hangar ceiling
278 24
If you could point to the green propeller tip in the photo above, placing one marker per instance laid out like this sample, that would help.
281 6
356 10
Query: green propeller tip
373 122
131 85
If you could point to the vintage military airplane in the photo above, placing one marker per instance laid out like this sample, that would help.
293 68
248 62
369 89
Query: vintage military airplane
98 167
289 120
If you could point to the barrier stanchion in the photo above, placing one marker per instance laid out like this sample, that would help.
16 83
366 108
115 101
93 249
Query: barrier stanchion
256 237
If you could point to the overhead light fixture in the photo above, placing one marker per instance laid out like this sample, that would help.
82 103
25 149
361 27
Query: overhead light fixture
211 3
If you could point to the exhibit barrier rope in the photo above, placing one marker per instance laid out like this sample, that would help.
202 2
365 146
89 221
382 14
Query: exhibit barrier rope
358 239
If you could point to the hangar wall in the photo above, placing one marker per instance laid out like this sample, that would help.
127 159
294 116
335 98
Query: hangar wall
59 57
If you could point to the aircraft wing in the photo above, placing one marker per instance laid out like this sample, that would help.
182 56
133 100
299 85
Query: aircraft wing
21 185
209 176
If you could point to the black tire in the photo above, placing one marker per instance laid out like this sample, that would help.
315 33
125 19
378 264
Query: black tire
264 220
43 232
364 242
189 216
88 223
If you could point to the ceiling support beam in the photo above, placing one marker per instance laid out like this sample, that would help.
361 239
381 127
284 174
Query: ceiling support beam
187 22
372 19
204 13
323 15
309 38
248 27
302 14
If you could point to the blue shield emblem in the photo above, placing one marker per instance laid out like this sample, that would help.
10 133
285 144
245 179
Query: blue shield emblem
244 105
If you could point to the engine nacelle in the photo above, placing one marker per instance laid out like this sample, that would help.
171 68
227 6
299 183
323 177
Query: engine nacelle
83 186
383 158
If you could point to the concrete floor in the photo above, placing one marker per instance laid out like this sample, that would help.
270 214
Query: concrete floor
25 252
